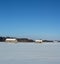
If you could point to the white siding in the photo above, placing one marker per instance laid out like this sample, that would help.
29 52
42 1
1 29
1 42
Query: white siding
11 40
38 41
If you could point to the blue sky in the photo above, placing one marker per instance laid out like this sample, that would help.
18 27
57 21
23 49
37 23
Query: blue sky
30 18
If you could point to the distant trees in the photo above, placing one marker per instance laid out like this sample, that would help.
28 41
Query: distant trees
2 39
47 41
24 40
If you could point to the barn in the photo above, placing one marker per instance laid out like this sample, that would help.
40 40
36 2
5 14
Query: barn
38 41
11 40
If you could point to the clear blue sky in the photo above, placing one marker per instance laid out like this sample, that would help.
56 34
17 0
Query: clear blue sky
30 18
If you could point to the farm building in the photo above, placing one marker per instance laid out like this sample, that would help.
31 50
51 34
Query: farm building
11 40
39 41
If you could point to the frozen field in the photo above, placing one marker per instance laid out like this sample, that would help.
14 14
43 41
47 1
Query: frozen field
29 53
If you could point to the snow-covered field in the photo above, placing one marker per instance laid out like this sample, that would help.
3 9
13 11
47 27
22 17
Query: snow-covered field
29 53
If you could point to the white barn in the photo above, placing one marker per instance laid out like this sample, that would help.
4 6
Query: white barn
11 40
39 41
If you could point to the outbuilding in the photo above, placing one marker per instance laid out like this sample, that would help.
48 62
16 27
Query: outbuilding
39 41
11 40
